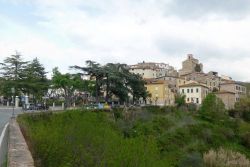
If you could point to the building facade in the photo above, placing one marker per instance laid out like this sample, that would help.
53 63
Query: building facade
211 79
235 87
194 92
150 70
160 92
228 98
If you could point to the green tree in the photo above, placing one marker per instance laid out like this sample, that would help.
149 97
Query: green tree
116 80
12 74
243 107
69 83
137 87
35 81
95 72
212 108
197 68
180 100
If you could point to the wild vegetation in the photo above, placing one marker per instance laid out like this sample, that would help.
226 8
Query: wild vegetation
146 136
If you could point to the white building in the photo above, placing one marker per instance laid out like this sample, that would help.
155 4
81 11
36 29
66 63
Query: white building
150 70
194 92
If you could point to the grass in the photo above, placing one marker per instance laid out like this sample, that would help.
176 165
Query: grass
145 137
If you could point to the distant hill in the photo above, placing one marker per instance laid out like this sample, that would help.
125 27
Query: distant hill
247 84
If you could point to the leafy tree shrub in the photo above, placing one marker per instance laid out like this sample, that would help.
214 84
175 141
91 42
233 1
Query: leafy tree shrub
117 112
234 113
212 108
243 107
246 139
88 138
168 109
192 160
78 139
191 107
225 158
246 116
153 109
197 68
180 100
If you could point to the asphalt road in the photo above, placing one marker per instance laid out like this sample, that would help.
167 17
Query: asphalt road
5 115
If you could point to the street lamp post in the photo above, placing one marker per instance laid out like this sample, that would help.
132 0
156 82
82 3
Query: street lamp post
13 96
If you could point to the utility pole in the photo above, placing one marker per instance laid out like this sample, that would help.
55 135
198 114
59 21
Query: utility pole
13 96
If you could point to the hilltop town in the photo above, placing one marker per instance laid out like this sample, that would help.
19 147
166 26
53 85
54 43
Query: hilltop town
163 82
178 115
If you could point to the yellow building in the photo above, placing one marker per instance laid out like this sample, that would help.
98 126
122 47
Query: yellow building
160 92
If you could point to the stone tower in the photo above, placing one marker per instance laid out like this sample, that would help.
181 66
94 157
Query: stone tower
190 65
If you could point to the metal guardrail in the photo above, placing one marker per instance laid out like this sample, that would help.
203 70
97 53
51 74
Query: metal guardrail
4 145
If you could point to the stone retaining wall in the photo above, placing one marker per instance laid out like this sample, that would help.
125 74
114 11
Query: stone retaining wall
18 152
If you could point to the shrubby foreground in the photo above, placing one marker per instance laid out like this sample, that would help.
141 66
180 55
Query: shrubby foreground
149 136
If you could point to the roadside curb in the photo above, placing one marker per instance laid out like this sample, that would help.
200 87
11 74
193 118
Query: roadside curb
18 151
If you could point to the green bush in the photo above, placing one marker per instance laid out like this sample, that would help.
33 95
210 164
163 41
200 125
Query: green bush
246 116
153 109
138 137
212 108
192 160
84 139
246 139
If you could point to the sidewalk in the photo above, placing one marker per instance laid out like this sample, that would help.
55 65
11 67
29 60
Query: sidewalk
18 154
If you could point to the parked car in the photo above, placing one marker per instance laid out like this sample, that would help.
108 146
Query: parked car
31 106
38 106
90 106
41 106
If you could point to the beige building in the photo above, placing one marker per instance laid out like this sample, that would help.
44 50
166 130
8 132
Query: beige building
236 87
175 82
194 92
190 65
228 98
153 70
160 92
211 79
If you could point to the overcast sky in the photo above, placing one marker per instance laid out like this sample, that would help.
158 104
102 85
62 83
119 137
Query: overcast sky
69 32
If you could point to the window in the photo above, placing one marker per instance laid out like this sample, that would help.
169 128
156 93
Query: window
197 90
197 100
187 90
191 90
188 99
183 91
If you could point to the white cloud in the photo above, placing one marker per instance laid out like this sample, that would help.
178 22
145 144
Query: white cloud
70 32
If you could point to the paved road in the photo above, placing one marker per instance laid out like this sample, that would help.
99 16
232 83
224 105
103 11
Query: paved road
5 114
